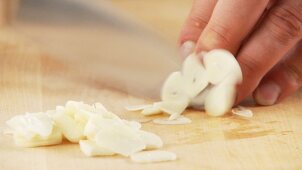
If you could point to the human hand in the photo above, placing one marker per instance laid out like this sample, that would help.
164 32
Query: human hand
265 35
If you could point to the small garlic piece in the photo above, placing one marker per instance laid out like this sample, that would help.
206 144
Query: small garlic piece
90 148
242 111
153 156
151 140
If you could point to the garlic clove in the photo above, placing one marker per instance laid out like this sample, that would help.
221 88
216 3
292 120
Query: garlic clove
173 88
195 76
220 64
221 98
199 100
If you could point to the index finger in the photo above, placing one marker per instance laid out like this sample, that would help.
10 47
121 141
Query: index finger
230 23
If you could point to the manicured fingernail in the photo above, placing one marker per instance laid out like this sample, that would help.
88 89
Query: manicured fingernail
267 94
187 48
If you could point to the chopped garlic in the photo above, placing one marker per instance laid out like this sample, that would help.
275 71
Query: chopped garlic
98 131
31 124
119 138
151 140
90 148
242 111
153 156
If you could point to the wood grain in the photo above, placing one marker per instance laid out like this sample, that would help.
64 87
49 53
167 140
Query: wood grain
32 80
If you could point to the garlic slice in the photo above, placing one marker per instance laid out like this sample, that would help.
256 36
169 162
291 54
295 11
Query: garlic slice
178 121
195 75
242 111
70 129
54 138
118 138
153 110
90 148
133 124
174 109
151 140
153 156
173 88
31 124
138 107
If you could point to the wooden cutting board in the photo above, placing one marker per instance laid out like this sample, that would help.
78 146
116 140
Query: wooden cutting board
32 81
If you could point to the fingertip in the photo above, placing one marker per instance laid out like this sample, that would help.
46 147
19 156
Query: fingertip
187 48
267 93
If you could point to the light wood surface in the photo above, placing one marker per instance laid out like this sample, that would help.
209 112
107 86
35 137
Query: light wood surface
32 80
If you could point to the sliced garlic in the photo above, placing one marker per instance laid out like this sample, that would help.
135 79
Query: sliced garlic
133 124
195 76
31 124
173 88
174 109
90 148
153 156
54 138
219 64
178 121
119 138
70 129
242 111
138 107
153 110
151 140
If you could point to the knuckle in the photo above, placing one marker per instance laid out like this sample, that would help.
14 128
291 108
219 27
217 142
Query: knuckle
250 66
294 74
222 34
286 22
197 20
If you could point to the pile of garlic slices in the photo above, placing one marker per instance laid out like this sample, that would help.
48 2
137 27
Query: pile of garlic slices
207 82
98 131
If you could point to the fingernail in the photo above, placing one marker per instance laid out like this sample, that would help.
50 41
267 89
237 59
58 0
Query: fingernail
187 48
267 94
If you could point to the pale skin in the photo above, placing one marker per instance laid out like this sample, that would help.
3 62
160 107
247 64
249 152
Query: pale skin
264 35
